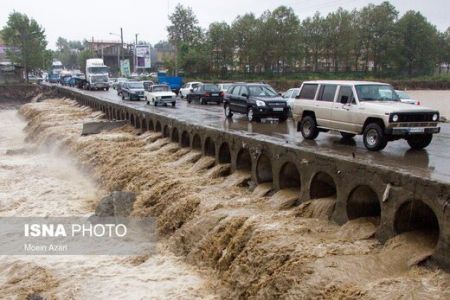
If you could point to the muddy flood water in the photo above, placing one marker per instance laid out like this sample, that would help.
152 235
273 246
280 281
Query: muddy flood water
42 181
221 236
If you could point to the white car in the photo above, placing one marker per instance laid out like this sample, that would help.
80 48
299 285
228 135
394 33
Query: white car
405 98
223 87
160 93
187 88
290 96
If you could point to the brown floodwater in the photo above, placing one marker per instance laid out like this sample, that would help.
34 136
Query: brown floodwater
258 243
40 181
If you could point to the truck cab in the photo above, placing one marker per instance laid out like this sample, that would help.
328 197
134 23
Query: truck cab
97 75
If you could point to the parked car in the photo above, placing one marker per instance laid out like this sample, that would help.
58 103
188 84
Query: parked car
76 81
53 78
187 88
119 87
118 81
160 93
405 98
34 79
64 80
223 87
290 96
359 107
256 100
147 84
205 93
132 90
111 81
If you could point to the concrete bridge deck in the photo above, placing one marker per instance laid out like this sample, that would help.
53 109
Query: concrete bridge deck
403 192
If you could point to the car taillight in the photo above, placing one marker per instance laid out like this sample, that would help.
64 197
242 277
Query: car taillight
206 94
221 94
418 102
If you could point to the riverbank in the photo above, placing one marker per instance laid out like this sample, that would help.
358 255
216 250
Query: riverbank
258 242
42 180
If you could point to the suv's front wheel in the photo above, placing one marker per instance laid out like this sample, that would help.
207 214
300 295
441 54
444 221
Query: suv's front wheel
419 141
251 115
227 110
308 128
374 138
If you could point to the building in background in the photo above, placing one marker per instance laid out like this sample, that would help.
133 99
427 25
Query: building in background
110 52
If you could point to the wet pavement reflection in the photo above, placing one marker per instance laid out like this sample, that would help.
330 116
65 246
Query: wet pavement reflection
433 162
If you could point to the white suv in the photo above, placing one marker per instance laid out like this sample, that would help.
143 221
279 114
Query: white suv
360 107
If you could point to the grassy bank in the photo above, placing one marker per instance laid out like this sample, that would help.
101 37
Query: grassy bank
282 83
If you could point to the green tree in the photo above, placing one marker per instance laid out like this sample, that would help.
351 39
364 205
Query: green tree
27 41
245 36
184 33
313 37
220 46
416 45
378 33
282 28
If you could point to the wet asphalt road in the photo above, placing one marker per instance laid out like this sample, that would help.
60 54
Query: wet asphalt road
433 162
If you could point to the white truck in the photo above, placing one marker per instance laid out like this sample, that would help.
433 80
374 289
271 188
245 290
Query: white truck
97 75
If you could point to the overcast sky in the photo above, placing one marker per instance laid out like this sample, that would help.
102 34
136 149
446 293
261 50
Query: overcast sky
84 19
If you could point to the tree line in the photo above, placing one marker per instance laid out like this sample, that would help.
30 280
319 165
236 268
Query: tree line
373 39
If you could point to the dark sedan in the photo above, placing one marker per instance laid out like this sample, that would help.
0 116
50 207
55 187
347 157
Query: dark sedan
256 101
132 90
205 93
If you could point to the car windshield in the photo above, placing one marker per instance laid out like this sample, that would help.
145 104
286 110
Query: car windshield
98 70
262 91
161 88
135 85
226 86
403 95
376 92
211 88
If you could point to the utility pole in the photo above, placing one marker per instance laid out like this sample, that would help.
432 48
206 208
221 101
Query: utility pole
121 50
135 53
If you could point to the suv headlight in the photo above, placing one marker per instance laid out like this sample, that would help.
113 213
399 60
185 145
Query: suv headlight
435 117
395 118
260 103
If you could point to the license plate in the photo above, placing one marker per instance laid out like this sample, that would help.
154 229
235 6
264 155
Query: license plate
278 109
417 130
215 94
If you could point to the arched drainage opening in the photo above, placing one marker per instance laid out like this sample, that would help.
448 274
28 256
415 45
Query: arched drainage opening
127 116
244 160
363 202
158 127
210 148
289 176
417 216
322 192
150 125
224 154
138 123
144 125
132 120
185 140
197 143
166 132
322 186
175 137
264 169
